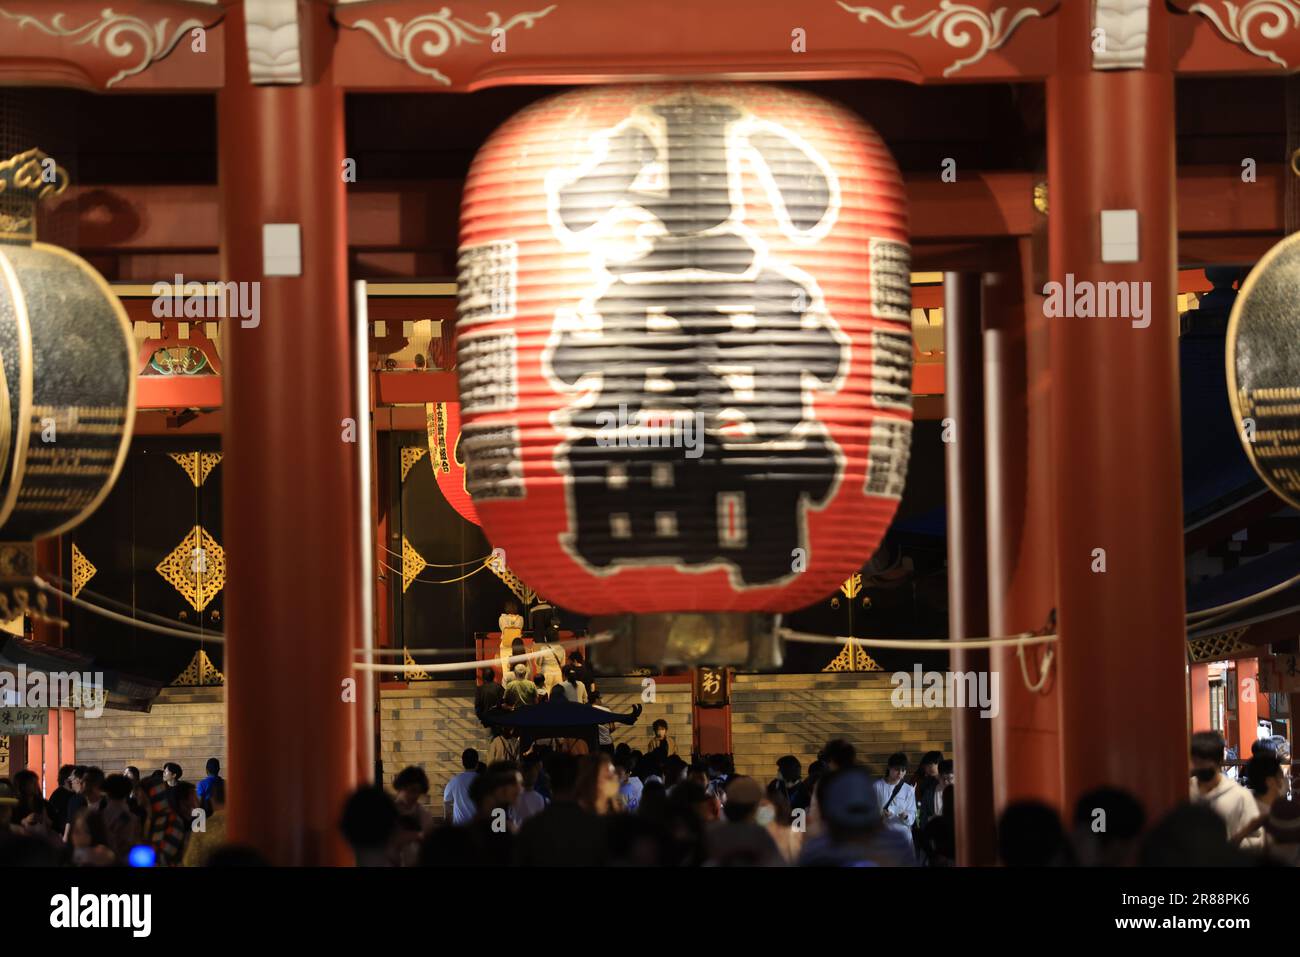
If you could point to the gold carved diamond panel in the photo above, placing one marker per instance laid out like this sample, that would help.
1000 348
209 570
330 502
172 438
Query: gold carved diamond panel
197 465
420 675
196 568
853 658
82 570
412 563
512 581
200 673
410 455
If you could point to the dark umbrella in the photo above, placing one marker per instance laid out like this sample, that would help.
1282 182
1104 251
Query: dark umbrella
561 714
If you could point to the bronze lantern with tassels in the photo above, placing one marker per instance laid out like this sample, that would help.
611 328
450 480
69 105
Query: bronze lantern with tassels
67 400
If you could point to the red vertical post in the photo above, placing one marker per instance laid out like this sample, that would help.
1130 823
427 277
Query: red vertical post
1198 697
972 739
1021 565
1116 444
1247 706
383 612
290 486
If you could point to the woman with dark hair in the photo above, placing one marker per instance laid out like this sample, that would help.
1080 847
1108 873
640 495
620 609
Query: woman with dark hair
552 663
30 815
574 689
411 785
89 840
597 789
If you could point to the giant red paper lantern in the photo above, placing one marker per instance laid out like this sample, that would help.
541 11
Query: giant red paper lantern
684 346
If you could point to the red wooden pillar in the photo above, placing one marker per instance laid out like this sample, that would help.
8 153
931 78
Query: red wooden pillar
1115 441
1198 697
1021 557
291 506
29 752
972 740
1247 706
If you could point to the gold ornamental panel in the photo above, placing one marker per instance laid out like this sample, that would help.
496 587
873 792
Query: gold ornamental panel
197 465
82 570
196 568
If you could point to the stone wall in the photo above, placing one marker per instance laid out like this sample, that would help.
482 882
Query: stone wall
185 725
430 723
774 715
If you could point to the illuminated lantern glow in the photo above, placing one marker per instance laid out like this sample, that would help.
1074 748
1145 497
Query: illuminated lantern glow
67 402
684 347
1263 368
445 454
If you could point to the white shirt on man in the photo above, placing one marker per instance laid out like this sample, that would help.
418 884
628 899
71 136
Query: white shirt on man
456 805
1232 802
526 805
902 809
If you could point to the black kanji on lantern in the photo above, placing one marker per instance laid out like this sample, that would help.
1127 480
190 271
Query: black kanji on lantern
691 433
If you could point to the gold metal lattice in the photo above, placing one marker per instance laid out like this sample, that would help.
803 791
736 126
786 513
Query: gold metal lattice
412 563
410 455
512 581
853 658
196 568
1226 644
420 675
82 570
200 673
197 465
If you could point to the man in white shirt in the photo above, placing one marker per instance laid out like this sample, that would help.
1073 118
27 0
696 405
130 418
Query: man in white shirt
629 787
897 798
457 807
1210 787
529 801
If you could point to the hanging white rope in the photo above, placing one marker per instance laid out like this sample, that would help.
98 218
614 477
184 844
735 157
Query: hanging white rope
1044 669
921 644
213 637
136 613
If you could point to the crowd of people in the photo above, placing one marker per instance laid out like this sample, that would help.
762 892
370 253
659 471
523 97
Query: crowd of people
93 819
624 806
621 806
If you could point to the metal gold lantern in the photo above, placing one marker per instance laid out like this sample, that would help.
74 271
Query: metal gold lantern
68 397
684 347
1263 368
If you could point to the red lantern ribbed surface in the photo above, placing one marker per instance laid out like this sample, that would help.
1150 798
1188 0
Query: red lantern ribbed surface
684 346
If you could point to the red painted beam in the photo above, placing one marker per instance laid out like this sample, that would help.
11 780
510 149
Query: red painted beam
165 225
178 392
408 388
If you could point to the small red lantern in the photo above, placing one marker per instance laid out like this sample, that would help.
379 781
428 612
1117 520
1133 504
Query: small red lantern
443 419
684 346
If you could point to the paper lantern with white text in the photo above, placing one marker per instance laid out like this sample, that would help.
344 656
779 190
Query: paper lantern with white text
684 346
